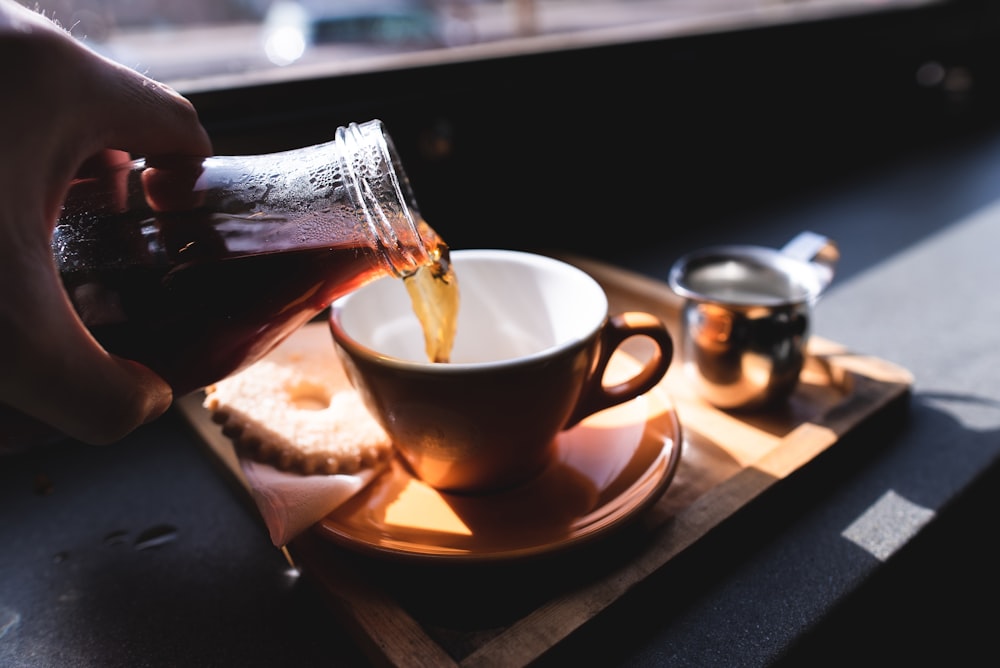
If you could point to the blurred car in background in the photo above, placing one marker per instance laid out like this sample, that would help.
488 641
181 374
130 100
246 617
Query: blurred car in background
292 27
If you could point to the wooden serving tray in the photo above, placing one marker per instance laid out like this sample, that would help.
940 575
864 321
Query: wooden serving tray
511 613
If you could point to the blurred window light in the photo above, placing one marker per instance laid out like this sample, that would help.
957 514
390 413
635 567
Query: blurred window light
184 42
285 45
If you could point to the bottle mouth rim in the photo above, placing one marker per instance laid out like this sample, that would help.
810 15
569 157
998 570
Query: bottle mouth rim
381 191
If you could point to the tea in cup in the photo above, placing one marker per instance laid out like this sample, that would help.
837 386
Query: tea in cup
747 317
533 340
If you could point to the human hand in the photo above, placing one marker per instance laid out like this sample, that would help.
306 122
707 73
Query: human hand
65 106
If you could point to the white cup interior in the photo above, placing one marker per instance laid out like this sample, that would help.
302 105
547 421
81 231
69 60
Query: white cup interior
512 304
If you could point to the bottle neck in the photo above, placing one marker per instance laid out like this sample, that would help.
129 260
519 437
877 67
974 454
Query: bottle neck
378 186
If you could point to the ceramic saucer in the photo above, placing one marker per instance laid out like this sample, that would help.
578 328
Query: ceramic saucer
608 469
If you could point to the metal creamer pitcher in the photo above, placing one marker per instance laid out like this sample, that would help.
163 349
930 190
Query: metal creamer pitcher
747 317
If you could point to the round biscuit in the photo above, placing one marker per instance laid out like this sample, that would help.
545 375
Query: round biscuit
296 410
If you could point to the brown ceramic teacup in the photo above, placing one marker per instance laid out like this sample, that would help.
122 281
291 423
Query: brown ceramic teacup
534 338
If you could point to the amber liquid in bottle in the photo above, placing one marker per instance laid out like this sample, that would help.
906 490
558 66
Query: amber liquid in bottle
201 312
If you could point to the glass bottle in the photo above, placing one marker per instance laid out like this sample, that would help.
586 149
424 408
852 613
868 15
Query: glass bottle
198 267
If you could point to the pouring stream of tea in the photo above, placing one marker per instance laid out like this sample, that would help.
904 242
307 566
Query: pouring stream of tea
433 290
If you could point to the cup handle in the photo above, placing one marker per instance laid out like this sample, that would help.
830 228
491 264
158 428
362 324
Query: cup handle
820 251
595 395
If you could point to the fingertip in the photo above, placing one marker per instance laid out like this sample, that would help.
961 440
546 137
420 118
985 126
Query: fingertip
158 395
147 117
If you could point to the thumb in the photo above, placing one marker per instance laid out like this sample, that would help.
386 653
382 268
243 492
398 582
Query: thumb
58 374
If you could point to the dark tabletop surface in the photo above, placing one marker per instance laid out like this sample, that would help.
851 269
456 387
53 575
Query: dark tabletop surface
143 554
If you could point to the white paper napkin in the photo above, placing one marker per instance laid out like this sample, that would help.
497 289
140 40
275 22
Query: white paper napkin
289 503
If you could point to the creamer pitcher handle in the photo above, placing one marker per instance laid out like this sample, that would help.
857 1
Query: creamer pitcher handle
820 251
